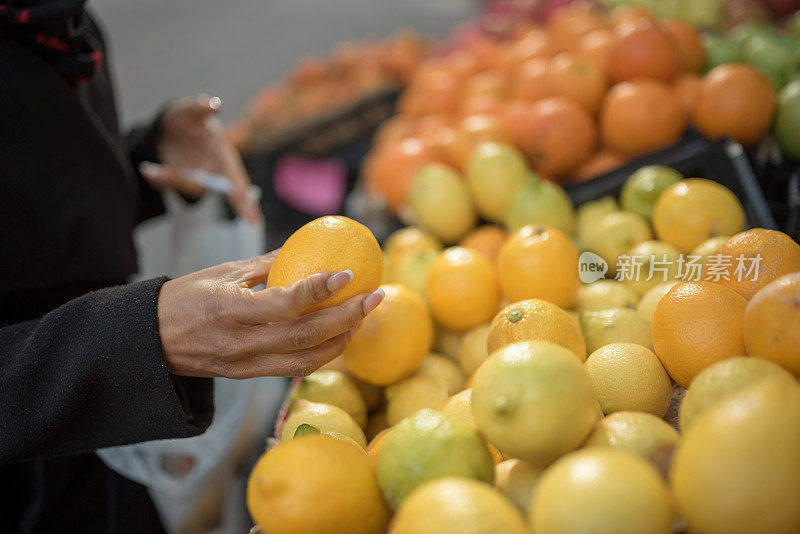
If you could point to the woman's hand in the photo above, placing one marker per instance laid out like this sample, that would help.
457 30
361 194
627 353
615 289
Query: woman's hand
212 322
193 138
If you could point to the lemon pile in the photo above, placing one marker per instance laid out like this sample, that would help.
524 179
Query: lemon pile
493 391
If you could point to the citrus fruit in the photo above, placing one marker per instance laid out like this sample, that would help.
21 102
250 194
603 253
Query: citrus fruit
642 49
595 46
754 258
590 212
532 81
408 396
614 325
639 433
374 447
688 85
643 187
709 247
535 320
787 119
426 446
543 203
441 203
316 484
696 209
452 505
721 380
495 172
532 44
391 168
578 79
407 241
438 366
771 322
657 261
462 289
487 239
330 243
459 407
516 479
604 294
735 100
566 26
640 116
689 43
616 233
601 162
533 400
412 270
649 301
539 262
629 377
325 417
612 491
392 340
737 470
473 352
696 324
333 387
563 135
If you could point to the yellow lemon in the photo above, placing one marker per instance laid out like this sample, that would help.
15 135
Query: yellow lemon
325 417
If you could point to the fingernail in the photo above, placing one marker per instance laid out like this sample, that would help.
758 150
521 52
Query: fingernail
149 169
372 301
339 280
215 102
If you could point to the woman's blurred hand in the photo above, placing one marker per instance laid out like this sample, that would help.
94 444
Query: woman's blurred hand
213 323
192 137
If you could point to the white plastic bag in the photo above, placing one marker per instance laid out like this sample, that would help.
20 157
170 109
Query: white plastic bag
176 472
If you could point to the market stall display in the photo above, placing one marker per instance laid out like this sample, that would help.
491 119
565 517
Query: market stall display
563 346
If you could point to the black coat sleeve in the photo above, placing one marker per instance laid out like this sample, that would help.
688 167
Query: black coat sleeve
142 144
91 374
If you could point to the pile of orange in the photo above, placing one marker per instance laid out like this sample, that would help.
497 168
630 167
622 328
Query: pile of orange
578 96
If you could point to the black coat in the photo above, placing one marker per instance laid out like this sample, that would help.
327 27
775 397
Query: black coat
79 370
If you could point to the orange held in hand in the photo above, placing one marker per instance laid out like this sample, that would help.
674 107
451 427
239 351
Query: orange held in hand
696 324
330 244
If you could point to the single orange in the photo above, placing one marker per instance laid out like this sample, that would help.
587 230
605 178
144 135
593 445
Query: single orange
330 243
689 42
595 46
516 118
640 116
393 339
752 259
696 324
642 49
564 135
536 320
462 289
735 100
569 24
487 239
771 322
687 85
532 81
392 167
601 162
579 79
539 262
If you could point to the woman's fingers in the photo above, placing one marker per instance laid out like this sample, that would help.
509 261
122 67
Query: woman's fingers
256 270
317 327
295 364
285 303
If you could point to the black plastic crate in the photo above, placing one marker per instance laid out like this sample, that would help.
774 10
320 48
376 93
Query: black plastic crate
724 162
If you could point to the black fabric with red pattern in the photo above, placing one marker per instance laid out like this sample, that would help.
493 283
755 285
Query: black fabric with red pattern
56 29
